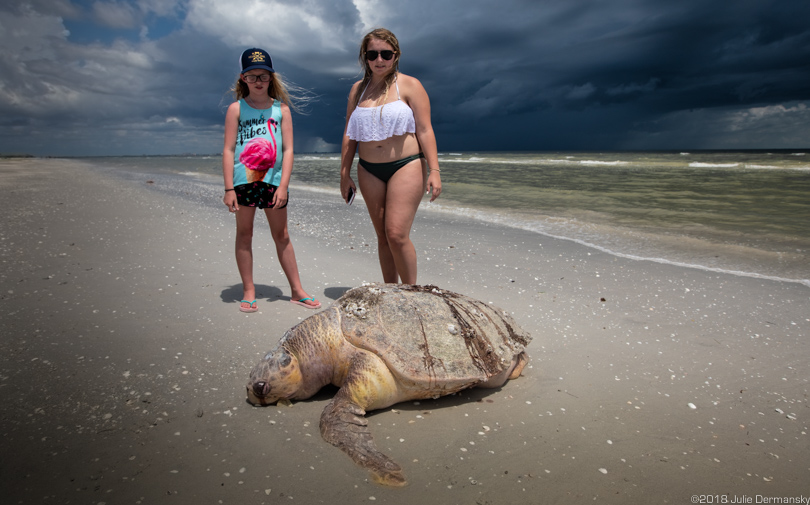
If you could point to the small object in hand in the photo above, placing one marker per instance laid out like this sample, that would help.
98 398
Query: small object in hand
350 198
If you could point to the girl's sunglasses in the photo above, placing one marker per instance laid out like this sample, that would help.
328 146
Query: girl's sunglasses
253 78
386 55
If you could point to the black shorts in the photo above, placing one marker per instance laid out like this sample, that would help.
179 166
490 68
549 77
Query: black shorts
257 194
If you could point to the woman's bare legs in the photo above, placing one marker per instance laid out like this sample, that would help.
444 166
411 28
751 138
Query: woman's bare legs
392 207
373 190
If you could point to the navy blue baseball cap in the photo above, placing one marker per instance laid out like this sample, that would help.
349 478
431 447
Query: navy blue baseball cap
256 58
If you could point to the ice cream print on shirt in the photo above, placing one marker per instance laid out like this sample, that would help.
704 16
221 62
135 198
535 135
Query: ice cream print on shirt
256 139
259 150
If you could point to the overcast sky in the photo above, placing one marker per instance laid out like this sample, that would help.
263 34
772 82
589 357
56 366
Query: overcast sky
120 77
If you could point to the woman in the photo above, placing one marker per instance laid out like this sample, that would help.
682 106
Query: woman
388 124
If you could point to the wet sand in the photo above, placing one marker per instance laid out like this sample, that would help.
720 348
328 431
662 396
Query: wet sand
124 360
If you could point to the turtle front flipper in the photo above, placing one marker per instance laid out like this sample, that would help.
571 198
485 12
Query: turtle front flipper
368 384
343 425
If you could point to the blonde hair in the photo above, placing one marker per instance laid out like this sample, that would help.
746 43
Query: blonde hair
385 36
294 96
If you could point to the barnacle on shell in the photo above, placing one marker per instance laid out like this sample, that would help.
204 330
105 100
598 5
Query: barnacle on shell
353 309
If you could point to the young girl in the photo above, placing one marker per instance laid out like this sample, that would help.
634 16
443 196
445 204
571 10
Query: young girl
257 162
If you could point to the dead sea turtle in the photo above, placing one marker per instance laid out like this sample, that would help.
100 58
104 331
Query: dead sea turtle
383 344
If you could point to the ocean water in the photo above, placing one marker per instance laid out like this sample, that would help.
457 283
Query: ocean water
740 212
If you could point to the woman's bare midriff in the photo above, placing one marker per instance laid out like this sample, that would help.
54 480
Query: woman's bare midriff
390 149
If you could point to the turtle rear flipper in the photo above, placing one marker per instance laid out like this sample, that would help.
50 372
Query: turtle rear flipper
522 360
343 425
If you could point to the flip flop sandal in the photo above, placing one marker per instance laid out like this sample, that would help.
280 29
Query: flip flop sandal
250 308
302 302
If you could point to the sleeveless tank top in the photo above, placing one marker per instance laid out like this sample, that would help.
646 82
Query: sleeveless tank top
258 152
369 124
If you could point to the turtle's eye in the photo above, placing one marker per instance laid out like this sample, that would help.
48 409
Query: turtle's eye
261 389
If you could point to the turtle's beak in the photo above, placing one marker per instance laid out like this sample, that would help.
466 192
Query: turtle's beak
257 395
261 389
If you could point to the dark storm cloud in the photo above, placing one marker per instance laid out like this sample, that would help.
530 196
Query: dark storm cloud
624 74
598 75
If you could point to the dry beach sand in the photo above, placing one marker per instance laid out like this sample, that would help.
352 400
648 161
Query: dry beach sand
123 362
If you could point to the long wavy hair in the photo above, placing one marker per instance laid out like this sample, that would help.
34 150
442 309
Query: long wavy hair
295 97
385 36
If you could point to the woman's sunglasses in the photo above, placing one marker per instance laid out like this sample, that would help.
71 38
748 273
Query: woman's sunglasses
386 55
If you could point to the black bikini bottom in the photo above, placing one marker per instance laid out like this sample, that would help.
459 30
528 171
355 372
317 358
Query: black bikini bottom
384 171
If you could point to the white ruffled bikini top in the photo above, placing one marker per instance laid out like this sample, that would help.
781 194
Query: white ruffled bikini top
369 124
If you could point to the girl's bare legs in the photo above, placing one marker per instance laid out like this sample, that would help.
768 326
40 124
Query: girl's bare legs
277 218
244 250
392 207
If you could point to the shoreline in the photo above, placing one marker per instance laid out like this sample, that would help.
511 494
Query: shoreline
758 255
124 360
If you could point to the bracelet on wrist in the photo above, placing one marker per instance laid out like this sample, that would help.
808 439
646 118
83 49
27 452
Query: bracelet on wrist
231 189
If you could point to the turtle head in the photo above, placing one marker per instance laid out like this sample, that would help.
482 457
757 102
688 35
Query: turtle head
276 377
